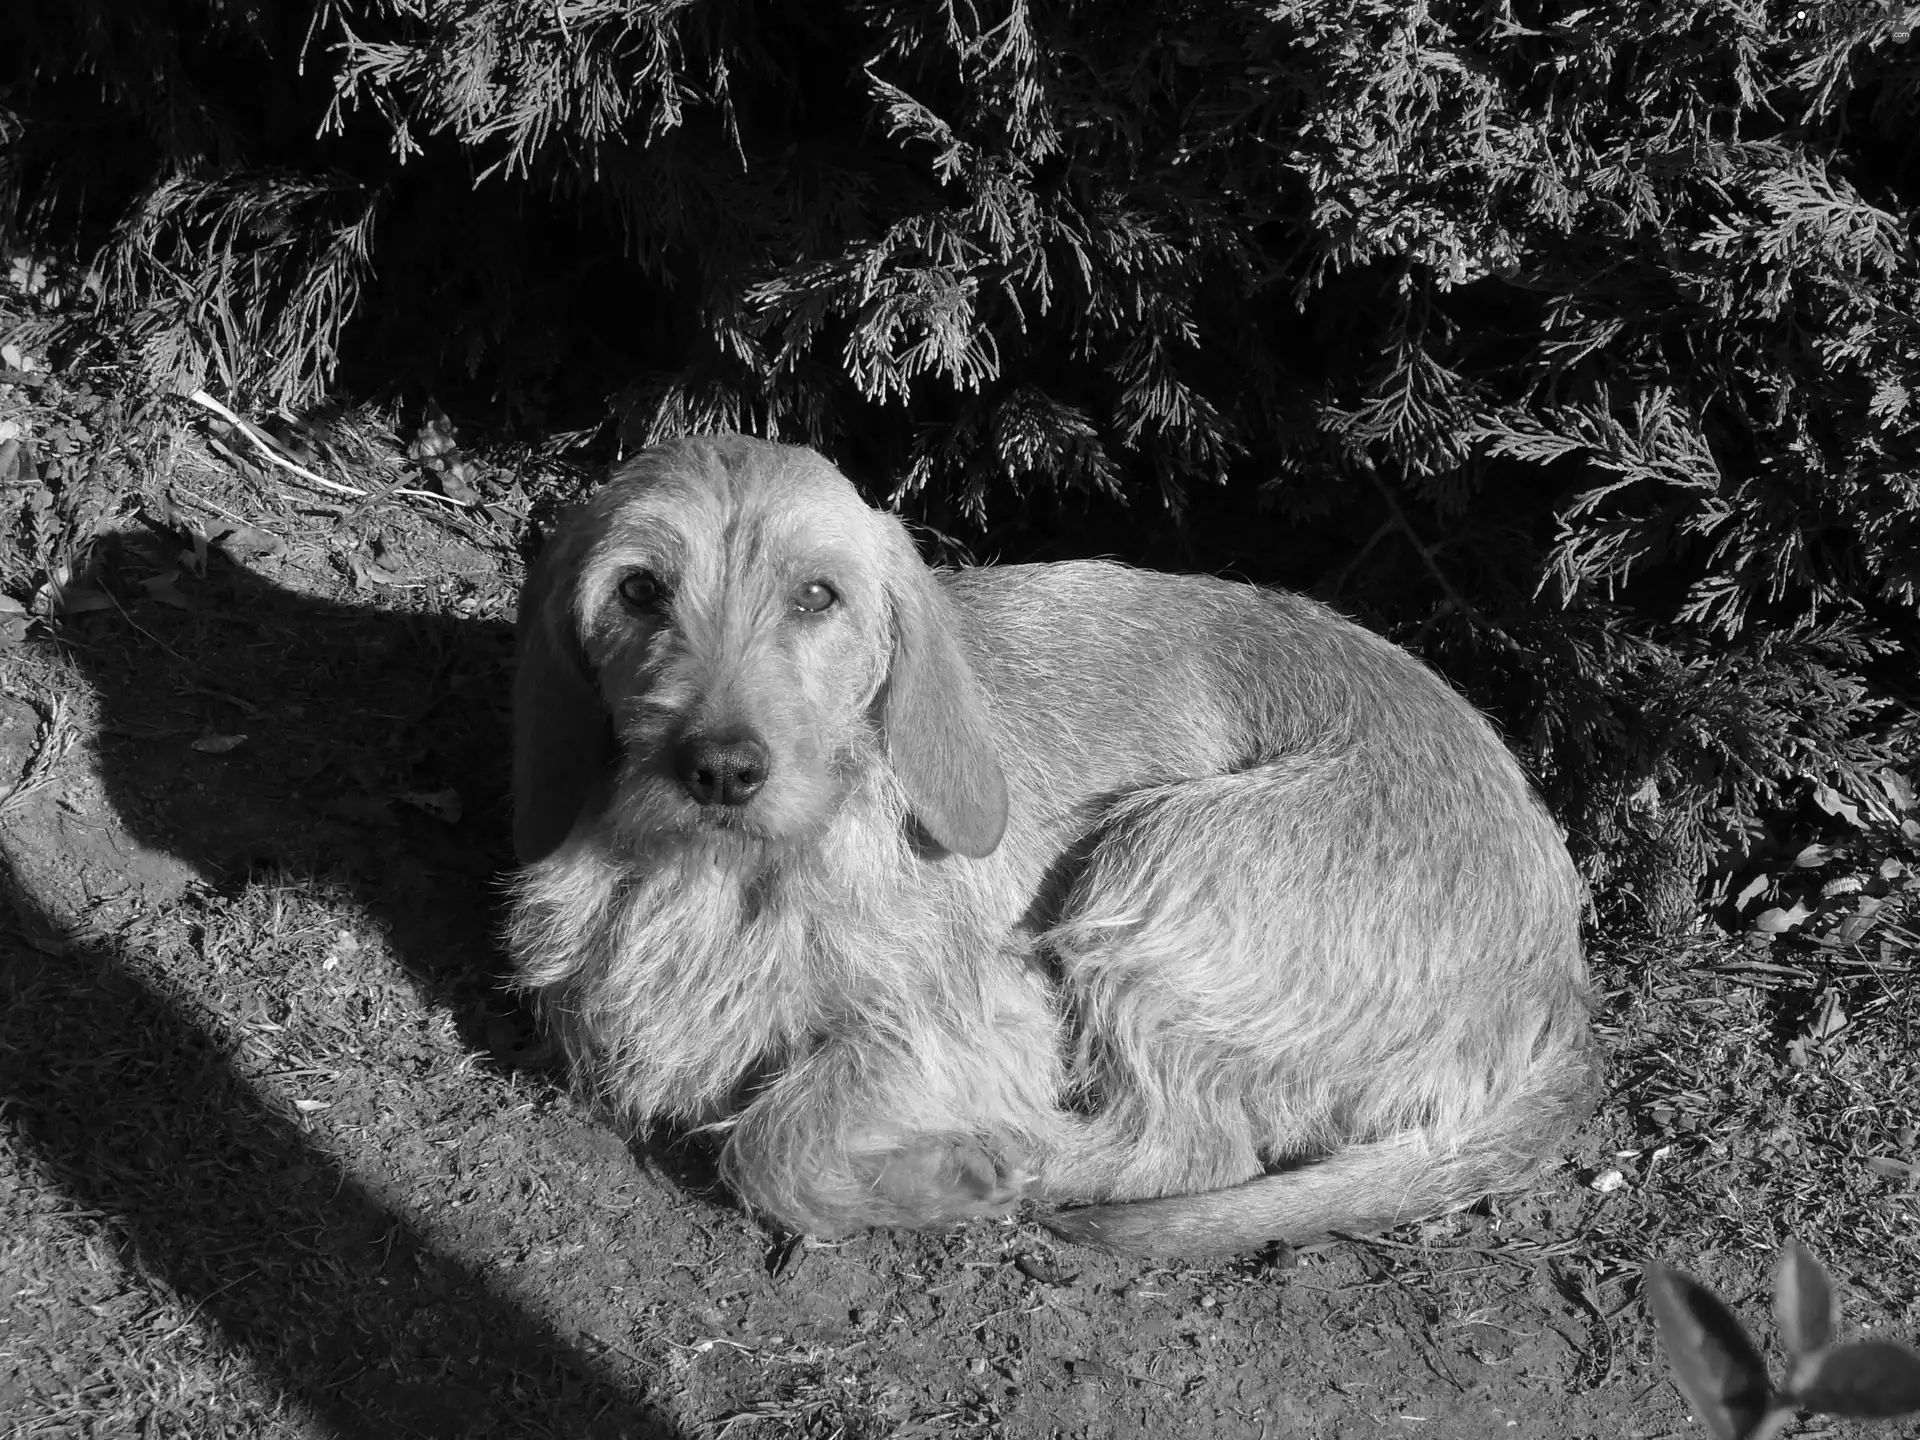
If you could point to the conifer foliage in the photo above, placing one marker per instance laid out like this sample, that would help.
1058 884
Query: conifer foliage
1574 343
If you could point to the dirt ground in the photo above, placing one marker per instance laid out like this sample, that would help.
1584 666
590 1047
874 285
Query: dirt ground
281 1158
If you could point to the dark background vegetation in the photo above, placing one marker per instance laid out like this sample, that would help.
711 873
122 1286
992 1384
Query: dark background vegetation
1572 344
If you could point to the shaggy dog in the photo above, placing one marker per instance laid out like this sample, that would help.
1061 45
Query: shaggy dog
1186 905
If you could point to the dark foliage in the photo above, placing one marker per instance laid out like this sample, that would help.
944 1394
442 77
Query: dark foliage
1574 344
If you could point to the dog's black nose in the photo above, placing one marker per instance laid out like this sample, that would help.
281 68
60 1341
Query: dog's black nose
724 770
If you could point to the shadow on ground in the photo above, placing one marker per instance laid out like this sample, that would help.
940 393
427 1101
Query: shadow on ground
128 1097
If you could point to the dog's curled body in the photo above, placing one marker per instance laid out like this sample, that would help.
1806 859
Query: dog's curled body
1183 903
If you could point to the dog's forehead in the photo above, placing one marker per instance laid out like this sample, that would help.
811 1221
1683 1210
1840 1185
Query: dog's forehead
746 505
793 500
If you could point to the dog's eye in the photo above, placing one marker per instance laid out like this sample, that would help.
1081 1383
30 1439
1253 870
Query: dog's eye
814 597
642 589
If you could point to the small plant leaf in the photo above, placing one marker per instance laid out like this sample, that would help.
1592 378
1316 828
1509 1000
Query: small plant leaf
1714 1363
1868 1379
1802 1300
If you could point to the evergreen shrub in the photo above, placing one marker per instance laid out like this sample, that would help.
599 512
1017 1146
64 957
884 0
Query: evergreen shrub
1573 344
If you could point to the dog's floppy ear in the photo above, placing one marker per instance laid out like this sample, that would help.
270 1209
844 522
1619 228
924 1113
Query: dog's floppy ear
562 735
939 735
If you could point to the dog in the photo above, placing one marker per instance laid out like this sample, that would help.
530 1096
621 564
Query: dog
1188 909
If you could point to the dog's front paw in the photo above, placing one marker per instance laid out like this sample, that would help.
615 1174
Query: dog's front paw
940 1179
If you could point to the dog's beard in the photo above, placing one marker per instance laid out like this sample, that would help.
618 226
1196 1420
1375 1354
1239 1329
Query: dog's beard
666 984
673 957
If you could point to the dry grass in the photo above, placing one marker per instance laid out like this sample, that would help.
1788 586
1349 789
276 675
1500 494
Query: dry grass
1765 1091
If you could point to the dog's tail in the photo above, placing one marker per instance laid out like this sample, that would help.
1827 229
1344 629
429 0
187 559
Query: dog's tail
1360 1188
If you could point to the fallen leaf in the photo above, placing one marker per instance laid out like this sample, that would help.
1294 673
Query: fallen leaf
56 599
442 805
1899 789
1778 921
455 477
375 572
219 744
1836 804
1831 1020
435 436
169 595
780 1256
247 541
1043 1271
1854 928
437 452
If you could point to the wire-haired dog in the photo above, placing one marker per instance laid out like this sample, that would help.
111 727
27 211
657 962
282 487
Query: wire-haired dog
1184 902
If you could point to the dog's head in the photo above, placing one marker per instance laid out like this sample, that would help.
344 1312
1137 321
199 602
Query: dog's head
720 639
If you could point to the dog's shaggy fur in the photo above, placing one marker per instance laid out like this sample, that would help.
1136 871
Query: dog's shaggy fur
1185 904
